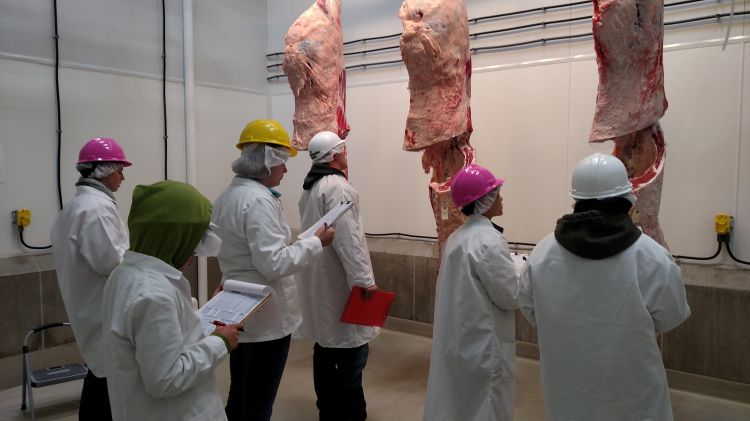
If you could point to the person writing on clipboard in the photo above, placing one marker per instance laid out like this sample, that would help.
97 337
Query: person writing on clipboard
341 349
160 364
257 247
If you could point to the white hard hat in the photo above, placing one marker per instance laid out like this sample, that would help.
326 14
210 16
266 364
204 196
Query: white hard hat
321 144
600 176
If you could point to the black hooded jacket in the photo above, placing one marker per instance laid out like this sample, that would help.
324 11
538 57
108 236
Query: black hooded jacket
317 172
597 229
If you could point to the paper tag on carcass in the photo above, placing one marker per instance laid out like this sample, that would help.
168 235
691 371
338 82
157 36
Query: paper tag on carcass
444 210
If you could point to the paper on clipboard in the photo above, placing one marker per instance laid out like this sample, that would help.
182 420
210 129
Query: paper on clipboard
329 219
234 304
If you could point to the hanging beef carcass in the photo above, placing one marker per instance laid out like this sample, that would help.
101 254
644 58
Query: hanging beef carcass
314 66
628 38
435 50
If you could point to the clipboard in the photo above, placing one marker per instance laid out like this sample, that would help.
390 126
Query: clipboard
371 312
328 219
234 304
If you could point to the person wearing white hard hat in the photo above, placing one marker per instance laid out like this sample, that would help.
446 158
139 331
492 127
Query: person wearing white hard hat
88 241
472 365
599 290
257 247
341 349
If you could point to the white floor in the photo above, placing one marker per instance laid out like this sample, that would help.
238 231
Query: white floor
395 383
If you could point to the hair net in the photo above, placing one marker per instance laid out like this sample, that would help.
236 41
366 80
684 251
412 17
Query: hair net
210 244
252 162
276 156
257 159
328 157
98 170
482 204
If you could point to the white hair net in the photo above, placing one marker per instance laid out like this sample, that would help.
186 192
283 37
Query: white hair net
482 204
257 159
100 169
328 157
276 156
252 162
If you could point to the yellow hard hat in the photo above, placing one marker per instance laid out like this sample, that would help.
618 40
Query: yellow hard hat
266 131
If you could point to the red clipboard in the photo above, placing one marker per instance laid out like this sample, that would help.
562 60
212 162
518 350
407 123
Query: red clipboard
370 312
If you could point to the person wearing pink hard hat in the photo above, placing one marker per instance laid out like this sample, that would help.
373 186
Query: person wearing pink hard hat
89 240
472 366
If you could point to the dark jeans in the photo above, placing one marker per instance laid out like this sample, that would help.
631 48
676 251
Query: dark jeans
255 370
337 373
94 399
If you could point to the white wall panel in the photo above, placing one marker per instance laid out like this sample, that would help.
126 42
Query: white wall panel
220 117
230 43
520 133
701 131
27 121
93 105
741 235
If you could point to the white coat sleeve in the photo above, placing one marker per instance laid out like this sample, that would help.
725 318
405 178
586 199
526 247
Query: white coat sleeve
266 237
102 242
526 295
349 242
497 272
166 366
664 294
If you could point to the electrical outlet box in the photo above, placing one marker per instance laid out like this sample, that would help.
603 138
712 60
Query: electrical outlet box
22 217
723 223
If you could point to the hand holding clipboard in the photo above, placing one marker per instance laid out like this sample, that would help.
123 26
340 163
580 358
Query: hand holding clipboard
328 219
370 311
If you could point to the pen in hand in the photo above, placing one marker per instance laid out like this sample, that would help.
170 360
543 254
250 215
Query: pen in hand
220 323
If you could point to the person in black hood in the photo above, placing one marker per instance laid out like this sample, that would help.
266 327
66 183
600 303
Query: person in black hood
341 349
598 290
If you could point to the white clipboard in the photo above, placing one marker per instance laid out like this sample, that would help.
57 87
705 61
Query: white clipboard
328 219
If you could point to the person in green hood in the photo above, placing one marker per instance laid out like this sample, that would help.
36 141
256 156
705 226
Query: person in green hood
598 290
159 362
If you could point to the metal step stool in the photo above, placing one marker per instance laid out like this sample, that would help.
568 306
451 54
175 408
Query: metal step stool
46 376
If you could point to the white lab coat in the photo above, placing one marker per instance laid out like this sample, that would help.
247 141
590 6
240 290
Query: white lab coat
160 364
257 247
88 240
473 344
325 285
597 321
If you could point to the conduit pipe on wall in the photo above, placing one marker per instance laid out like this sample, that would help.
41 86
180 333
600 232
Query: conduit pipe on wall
190 154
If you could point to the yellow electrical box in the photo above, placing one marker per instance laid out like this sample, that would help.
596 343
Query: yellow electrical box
23 217
723 223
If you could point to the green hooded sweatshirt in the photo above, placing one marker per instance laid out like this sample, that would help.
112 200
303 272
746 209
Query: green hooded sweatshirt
167 220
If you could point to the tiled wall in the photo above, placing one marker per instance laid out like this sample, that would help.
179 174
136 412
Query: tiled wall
30 298
714 342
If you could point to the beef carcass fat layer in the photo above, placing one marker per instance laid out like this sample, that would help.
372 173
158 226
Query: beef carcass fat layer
628 38
435 50
314 66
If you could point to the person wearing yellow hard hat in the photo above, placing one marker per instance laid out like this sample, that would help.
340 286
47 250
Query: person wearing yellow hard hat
257 247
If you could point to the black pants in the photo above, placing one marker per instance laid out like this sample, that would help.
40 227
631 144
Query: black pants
255 370
337 373
94 399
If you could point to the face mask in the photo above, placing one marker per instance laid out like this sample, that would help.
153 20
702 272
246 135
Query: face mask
210 243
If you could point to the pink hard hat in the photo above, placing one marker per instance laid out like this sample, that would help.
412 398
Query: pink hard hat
102 149
472 182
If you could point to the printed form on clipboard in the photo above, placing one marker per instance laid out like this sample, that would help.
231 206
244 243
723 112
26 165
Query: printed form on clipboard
328 219
234 304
